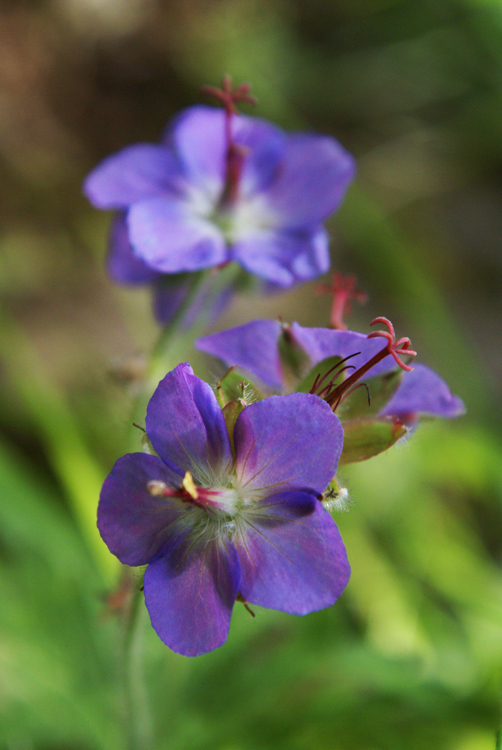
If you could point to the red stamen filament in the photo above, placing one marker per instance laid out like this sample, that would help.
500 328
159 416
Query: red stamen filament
235 153
319 381
204 495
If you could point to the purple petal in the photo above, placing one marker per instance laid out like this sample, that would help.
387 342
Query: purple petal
123 266
190 593
170 238
198 137
284 257
315 173
252 346
424 392
140 171
186 427
320 343
133 523
286 442
292 555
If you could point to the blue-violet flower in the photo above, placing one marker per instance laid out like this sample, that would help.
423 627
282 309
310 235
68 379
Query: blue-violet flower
255 347
217 519
221 187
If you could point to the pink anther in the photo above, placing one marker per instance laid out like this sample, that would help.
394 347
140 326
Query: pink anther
395 348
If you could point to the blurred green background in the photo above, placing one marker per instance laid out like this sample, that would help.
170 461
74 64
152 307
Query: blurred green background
410 658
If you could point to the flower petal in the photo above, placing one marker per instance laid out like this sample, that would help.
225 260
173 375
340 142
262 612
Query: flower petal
187 428
198 137
252 346
123 266
315 173
286 442
190 592
424 392
170 238
284 257
133 523
136 172
320 343
292 555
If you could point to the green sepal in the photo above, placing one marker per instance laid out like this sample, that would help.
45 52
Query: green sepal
294 359
365 438
321 368
381 388
230 412
234 386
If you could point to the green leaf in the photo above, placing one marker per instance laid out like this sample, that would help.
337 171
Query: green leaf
381 388
364 438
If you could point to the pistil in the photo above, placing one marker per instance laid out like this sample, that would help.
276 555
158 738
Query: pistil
334 394
235 154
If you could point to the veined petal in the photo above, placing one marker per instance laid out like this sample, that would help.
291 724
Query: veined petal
314 175
190 592
291 554
284 257
171 238
186 427
287 442
198 137
123 266
133 523
252 346
320 343
136 172
424 392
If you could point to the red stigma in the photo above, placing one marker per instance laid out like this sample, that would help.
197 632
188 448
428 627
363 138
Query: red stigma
343 290
228 96
395 348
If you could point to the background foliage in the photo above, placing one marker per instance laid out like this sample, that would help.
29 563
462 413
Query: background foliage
411 656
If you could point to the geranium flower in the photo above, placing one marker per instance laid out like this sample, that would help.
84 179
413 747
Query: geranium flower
218 517
255 347
222 187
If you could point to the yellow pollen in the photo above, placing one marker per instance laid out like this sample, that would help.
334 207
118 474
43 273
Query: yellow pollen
189 485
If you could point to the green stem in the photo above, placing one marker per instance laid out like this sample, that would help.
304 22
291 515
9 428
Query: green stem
175 342
138 716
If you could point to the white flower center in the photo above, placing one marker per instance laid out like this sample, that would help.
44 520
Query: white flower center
249 216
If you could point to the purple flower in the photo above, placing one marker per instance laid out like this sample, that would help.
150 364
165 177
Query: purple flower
255 348
222 187
215 518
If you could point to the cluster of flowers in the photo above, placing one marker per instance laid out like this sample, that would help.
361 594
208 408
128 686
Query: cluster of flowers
230 499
